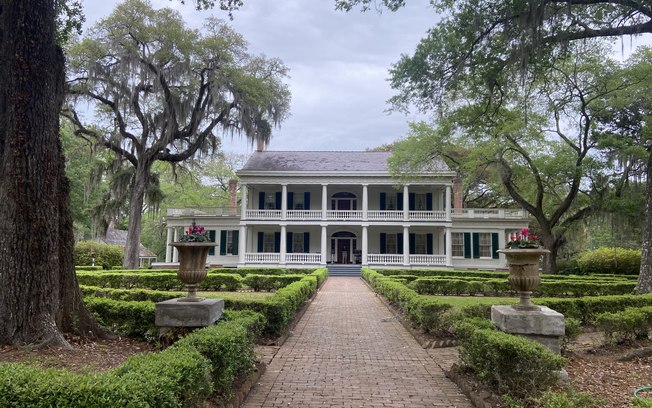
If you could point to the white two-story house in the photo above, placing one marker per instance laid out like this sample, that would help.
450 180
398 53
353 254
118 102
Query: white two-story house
318 208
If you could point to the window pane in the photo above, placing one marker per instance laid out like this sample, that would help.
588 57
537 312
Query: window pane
268 242
229 242
485 245
458 243
420 244
297 242
391 244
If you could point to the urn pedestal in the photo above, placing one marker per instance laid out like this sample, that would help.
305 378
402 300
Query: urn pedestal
192 266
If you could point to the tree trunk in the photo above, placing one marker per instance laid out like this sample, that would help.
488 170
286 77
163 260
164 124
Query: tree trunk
37 281
551 243
644 284
132 246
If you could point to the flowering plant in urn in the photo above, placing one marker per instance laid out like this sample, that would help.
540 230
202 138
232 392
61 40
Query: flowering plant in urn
196 233
523 240
193 249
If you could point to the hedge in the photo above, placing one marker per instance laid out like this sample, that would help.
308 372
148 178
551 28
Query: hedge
182 375
610 260
278 309
155 280
426 313
269 282
510 364
263 271
95 253
625 325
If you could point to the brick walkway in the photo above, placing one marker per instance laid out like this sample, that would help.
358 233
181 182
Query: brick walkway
348 351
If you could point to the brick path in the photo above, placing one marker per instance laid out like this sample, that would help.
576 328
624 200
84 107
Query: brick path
348 351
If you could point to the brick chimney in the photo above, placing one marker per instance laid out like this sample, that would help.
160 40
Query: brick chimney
457 195
260 146
233 197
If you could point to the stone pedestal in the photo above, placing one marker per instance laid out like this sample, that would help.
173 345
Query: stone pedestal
544 326
172 313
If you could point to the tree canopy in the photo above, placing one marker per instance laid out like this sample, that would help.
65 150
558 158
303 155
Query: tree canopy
165 92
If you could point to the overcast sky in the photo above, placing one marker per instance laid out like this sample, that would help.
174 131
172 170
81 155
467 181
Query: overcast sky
338 65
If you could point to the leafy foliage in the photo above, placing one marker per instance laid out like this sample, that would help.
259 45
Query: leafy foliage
95 253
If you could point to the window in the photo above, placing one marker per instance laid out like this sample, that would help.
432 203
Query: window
270 203
458 244
485 245
420 202
298 202
391 244
391 202
420 244
268 242
229 242
297 243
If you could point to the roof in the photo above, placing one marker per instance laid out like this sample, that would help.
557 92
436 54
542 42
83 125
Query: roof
119 237
345 161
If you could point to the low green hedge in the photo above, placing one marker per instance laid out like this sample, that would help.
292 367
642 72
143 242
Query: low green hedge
96 253
133 318
182 375
426 313
269 282
263 271
155 280
626 325
88 268
510 364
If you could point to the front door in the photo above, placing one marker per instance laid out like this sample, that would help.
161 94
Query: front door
343 251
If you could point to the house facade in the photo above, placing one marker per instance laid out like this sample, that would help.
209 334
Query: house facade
316 208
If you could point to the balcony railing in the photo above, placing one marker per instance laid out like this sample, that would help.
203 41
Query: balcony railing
385 259
344 215
384 215
428 215
304 215
303 258
205 211
264 214
428 260
262 257
501 213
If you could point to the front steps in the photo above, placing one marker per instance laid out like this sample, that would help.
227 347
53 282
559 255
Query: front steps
343 270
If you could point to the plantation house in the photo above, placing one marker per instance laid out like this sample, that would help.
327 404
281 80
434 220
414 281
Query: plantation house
317 208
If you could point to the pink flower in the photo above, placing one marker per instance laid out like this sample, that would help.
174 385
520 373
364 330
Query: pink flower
525 232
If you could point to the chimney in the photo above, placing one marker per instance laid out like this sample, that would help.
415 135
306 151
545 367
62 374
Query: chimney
233 196
261 146
457 195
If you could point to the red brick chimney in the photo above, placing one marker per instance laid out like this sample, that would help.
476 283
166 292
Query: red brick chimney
233 196
261 146
458 201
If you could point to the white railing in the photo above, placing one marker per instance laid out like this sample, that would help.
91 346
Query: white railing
264 214
503 213
304 215
427 215
384 215
178 212
344 215
385 259
262 257
303 258
428 260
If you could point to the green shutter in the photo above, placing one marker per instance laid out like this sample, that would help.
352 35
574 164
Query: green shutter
476 245
288 243
278 201
306 200
211 237
429 201
429 250
383 243
412 201
277 242
399 243
399 201
413 243
383 201
306 242
223 242
261 241
467 245
290 200
235 243
494 245
261 200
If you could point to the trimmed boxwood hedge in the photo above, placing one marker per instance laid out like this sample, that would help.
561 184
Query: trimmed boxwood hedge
182 375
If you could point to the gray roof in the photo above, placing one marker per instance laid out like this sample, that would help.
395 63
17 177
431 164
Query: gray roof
119 237
322 161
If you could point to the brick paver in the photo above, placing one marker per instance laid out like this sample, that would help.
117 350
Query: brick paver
348 351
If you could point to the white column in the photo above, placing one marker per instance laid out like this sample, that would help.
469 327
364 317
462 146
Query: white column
365 202
284 202
324 201
324 243
283 243
242 245
168 248
365 244
406 245
243 204
406 203
449 247
448 203
175 253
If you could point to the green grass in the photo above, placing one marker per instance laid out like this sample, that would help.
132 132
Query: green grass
235 295
462 301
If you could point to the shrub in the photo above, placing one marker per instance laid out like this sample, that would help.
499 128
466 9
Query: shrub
132 318
269 282
629 324
610 260
510 364
95 253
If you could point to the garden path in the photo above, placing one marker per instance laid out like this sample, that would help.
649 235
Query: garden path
349 351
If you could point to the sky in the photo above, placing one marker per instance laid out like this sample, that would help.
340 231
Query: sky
338 65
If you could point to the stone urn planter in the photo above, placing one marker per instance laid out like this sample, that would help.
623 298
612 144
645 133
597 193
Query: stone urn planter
524 273
192 266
